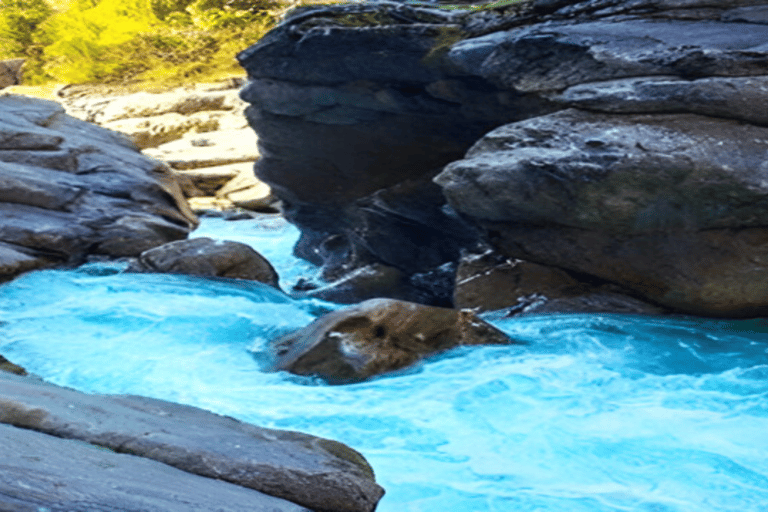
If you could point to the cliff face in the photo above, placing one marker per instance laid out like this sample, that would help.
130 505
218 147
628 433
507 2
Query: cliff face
359 107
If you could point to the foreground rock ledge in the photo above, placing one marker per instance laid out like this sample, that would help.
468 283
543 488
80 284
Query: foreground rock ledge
319 474
378 336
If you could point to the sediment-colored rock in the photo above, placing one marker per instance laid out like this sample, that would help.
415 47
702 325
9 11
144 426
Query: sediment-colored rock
207 257
378 336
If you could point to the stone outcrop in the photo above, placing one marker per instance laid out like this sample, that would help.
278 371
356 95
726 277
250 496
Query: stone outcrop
207 257
670 206
378 336
69 189
10 72
635 157
319 474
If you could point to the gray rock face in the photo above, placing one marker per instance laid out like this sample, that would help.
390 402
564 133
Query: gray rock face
378 336
208 257
41 472
319 474
671 206
69 189
666 74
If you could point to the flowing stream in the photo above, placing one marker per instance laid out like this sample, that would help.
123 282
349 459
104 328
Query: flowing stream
594 413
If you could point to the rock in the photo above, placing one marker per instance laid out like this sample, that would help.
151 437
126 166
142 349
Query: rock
208 150
377 336
41 472
319 474
355 104
245 191
150 132
490 281
209 180
69 189
669 206
7 366
207 257
10 72
346 138
369 282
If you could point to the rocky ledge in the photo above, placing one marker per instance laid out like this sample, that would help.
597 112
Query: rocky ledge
617 148
139 454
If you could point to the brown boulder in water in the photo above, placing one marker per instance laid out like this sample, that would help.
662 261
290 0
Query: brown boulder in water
378 336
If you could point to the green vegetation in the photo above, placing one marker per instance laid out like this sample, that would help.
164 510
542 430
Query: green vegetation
127 41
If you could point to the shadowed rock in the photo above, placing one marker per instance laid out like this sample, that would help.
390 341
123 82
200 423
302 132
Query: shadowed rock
10 72
207 257
672 207
378 336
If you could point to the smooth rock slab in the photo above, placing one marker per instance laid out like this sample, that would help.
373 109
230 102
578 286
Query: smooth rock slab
39 472
378 336
320 474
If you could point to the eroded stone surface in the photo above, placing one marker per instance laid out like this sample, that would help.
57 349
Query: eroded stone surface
208 257
670 206
378 336
319 474
42 472
69 189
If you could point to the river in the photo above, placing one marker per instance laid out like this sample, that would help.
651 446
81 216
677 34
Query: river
593 413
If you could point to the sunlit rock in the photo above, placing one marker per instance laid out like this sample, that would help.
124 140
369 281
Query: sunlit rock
207 257
378 336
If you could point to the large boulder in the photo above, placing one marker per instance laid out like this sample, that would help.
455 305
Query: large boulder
670 206
69 189
378 336
207 257
319 474
358 107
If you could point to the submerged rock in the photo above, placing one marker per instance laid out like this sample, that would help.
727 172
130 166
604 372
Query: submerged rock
207 257
69 189
319 474
378 336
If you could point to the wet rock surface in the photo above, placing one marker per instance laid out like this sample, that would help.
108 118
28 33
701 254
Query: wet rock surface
69 189
207 257
319 474
378 336
344 136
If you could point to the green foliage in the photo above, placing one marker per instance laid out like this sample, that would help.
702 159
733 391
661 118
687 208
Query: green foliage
80 41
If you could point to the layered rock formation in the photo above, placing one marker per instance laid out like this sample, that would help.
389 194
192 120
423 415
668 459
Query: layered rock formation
651 181
69 189
216 459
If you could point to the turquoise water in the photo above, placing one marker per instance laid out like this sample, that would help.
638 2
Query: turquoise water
593 413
